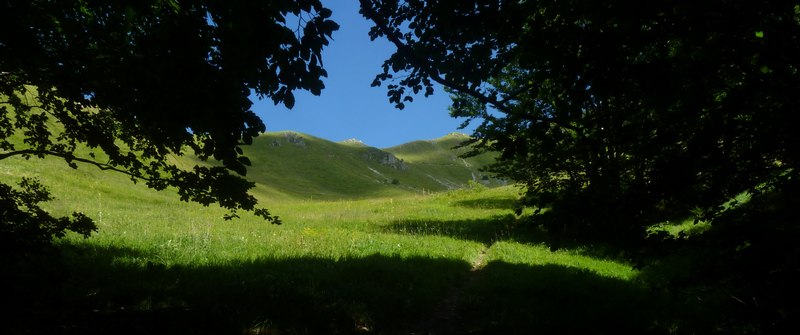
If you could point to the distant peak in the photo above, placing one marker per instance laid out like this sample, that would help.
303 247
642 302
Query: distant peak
353 141
456 134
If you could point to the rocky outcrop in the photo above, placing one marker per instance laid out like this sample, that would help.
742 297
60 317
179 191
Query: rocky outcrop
295 139
385 158
354 141
288 138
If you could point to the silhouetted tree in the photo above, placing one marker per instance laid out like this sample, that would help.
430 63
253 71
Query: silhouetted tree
618 115
140 81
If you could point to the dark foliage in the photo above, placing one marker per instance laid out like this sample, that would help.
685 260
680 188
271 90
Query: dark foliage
747 263
141 81
619 115
27 227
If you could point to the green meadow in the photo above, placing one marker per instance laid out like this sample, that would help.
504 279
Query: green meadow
394 260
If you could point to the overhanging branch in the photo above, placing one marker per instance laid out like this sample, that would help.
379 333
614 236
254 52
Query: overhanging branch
70 157
501 105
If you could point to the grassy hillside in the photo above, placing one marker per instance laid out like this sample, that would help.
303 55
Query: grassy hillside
440 158
439 151
288 165
452 262
445 263
304 166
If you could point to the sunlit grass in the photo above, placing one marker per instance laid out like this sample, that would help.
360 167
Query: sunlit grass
692 226
376 265
516 253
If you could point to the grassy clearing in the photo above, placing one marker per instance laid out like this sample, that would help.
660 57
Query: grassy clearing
379 265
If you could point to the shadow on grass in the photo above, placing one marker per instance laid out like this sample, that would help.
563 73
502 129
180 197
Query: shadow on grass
486 231
499 228
554 299
118 291
113 291
487 203
480 230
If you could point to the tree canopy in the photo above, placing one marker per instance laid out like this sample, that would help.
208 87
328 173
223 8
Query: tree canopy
141 81
617 116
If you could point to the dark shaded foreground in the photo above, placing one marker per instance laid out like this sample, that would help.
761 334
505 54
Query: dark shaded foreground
98 293
555 299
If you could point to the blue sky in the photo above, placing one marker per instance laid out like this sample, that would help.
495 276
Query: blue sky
348 107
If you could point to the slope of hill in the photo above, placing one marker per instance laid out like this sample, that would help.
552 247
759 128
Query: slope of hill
290 166
441 158
439 151
299 165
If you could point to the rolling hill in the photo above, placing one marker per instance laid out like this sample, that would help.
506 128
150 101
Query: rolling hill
289 166
303 166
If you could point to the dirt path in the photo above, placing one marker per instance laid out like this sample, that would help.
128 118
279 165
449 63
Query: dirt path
445 319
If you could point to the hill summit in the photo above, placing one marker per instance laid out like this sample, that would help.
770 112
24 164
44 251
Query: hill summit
353 141
303 166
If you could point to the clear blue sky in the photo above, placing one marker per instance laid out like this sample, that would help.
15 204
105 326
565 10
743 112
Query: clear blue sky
348 107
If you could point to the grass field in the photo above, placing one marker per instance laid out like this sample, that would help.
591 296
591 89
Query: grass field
447 263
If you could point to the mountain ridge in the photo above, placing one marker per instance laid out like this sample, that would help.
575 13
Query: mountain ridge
288 165
301 165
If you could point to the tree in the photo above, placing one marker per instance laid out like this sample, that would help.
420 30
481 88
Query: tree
617 116
140 81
